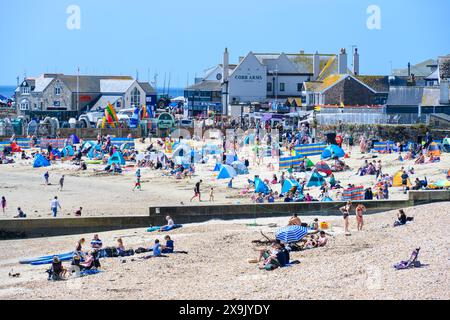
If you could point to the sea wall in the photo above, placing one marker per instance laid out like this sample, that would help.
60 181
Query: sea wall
17 228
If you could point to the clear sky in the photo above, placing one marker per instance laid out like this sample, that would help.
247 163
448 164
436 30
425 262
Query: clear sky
188 36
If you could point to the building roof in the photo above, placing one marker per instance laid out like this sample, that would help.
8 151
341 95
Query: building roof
206 86
421 69
405 96
86 83
377 83
431 96
444 67
113 86
147 88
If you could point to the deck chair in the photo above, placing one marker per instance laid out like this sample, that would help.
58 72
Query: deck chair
411 263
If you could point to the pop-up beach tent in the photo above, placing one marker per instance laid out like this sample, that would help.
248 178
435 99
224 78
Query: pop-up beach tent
75 139
288 185
40 161
261 187
322 166
117 158
218 167
332 151
315 180
68 151
433 149
239 167
226 172
397 181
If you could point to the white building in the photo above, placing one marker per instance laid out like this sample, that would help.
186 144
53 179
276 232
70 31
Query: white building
267 77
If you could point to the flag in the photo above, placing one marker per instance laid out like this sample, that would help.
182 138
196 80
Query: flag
317 108
111 115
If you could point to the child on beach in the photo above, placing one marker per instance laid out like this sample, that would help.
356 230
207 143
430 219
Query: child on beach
360 209
138 184
211 195
61 183
46 176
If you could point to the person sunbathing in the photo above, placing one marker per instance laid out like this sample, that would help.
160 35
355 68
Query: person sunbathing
420 159
170 224
294 221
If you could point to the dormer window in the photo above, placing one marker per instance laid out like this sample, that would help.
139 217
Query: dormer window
57 91
25 88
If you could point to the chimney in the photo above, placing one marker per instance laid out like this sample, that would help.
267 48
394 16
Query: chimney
409 69
356 62
444 91
342 62
226 66
241 58
302 51
316 66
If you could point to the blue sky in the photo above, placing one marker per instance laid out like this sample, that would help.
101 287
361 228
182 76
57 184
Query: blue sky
181 37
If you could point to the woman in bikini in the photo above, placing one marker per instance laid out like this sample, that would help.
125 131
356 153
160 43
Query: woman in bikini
360 209
345 213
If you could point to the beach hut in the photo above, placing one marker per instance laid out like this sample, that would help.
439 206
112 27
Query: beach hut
227 172
117 158
433 149
315 180
40 161
322 166
332 151
239 167
261 187
288 185
397 181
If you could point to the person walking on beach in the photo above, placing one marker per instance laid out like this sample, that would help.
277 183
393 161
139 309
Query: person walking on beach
61 183
405 177
360 209
345 213
138 184
46 177
211 195
197 192
3 203
54 206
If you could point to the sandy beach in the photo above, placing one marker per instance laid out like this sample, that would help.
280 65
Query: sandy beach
359 266
101 194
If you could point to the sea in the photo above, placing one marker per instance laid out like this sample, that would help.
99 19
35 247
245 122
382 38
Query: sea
8 91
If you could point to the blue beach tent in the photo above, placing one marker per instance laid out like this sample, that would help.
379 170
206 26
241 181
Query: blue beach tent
316 180
239 167
288 185
218 167
40 161
68 151
226 172
332 151
117 158
261 187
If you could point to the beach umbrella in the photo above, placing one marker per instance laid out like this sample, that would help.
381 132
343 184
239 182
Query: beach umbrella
291 234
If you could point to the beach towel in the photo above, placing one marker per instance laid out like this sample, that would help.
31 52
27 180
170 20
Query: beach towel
165 229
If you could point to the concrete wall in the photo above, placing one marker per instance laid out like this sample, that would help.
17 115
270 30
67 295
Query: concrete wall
186 214
202 213
65 226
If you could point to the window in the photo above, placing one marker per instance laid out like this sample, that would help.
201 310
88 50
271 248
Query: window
57 91
282 84
24 105
299 87
269 86
57 103
135 98
25 90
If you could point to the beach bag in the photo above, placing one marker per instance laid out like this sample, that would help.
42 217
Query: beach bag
111 252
